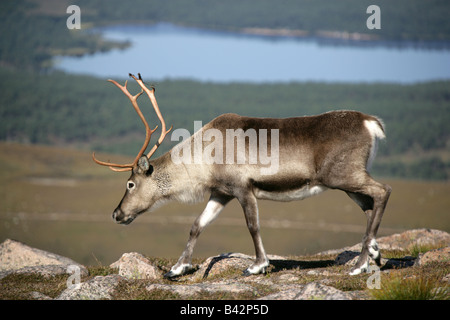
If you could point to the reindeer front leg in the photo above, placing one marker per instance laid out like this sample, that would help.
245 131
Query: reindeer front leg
213 208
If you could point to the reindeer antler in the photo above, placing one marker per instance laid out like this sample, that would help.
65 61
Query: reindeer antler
151 96
148 131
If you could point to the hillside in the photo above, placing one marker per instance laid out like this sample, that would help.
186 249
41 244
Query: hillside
415 267
83 112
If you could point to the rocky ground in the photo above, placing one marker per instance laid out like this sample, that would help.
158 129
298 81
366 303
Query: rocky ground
414 256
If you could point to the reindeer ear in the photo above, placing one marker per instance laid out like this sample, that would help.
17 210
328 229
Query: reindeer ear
144 165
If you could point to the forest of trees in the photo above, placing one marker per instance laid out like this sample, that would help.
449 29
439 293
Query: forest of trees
29 42
42 106
402 19
85 111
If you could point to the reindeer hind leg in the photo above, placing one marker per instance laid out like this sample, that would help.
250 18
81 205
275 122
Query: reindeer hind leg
372 198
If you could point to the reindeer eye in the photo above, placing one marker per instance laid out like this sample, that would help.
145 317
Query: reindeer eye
130 185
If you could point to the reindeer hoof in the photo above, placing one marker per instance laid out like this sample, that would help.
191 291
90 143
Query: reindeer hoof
360 268
247 272
177 271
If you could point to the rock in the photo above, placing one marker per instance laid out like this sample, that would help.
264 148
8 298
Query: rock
189 290
324 273
39 296
97 288
416 237
288 278
135 266
437 255
318 291
47 271
285 294
221 263
311 291
402 241
219 275
16 257
228 261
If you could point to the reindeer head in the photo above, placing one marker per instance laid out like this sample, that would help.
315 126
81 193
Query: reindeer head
142 189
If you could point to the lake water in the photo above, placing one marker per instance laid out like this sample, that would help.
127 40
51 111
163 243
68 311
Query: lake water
164 51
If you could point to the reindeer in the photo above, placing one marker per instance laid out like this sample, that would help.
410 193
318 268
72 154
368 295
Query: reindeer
333 150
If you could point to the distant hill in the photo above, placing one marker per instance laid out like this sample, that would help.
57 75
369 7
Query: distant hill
400 20
90 113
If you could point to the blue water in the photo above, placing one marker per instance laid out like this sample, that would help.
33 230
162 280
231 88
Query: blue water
164 51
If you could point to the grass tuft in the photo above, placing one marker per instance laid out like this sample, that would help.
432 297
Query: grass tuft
418 287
